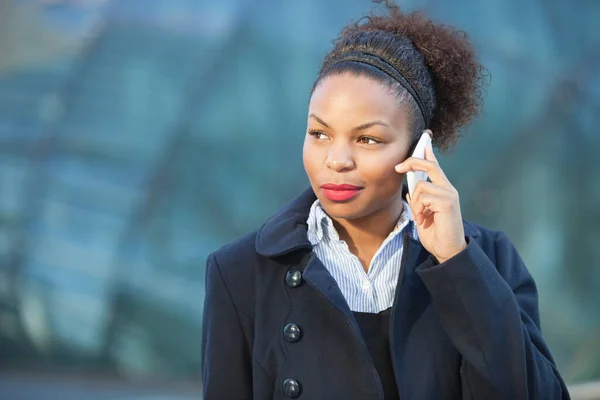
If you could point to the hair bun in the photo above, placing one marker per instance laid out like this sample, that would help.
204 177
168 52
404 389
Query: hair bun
458 77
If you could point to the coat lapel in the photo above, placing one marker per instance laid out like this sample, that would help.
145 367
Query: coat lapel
412 296
410 301
317 275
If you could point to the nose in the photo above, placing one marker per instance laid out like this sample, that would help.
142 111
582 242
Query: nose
339 158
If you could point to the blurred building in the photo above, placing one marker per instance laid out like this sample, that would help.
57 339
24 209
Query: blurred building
138 136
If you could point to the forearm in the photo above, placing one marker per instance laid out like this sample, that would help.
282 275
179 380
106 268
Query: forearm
493 327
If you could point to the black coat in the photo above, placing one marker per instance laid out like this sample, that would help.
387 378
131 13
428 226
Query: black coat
465 329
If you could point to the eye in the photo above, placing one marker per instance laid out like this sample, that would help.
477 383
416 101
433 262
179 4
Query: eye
318 135
368 140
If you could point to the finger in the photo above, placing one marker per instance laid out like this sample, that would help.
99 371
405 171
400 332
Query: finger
432 168
426 187
442 203
427 222
425 216
443 200
415 217
424 205
430 187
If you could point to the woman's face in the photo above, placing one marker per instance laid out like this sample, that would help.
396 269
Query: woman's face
357 133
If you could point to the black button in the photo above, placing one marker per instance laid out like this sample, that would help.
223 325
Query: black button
293 278
291 332
291 388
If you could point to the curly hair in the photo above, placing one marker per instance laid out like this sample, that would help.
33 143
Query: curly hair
437 60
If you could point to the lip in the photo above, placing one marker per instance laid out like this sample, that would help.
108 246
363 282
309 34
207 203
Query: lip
341 192
333 186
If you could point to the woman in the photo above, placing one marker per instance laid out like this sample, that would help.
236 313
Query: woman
356 290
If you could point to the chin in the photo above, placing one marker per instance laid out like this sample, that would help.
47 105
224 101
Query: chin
346 210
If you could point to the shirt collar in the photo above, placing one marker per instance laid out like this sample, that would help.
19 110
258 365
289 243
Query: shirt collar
320 225
286 230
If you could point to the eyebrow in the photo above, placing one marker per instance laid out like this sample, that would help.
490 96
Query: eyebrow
361 127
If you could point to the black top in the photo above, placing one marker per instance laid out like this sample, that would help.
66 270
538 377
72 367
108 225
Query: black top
376 332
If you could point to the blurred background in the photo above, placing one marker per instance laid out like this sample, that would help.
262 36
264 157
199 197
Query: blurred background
128 128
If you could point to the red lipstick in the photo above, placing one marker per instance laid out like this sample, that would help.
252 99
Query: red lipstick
340 192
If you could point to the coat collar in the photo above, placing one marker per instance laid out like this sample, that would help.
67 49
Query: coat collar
286 231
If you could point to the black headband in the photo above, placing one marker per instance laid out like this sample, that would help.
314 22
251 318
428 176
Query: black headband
387 68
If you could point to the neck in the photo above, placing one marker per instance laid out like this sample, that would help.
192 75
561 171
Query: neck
365 235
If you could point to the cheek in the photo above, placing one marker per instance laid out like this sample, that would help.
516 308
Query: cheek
379 170
310 157
382 163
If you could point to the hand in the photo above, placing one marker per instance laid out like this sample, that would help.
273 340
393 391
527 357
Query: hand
436 208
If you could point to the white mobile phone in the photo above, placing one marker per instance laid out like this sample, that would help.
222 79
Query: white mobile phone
414 177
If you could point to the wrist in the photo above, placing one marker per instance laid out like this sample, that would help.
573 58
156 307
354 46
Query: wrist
459 249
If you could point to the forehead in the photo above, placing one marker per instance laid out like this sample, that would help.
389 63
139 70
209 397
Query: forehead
351 95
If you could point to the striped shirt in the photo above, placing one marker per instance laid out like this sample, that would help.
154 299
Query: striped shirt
372 291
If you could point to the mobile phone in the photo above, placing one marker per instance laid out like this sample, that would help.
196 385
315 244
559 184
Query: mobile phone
416 176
